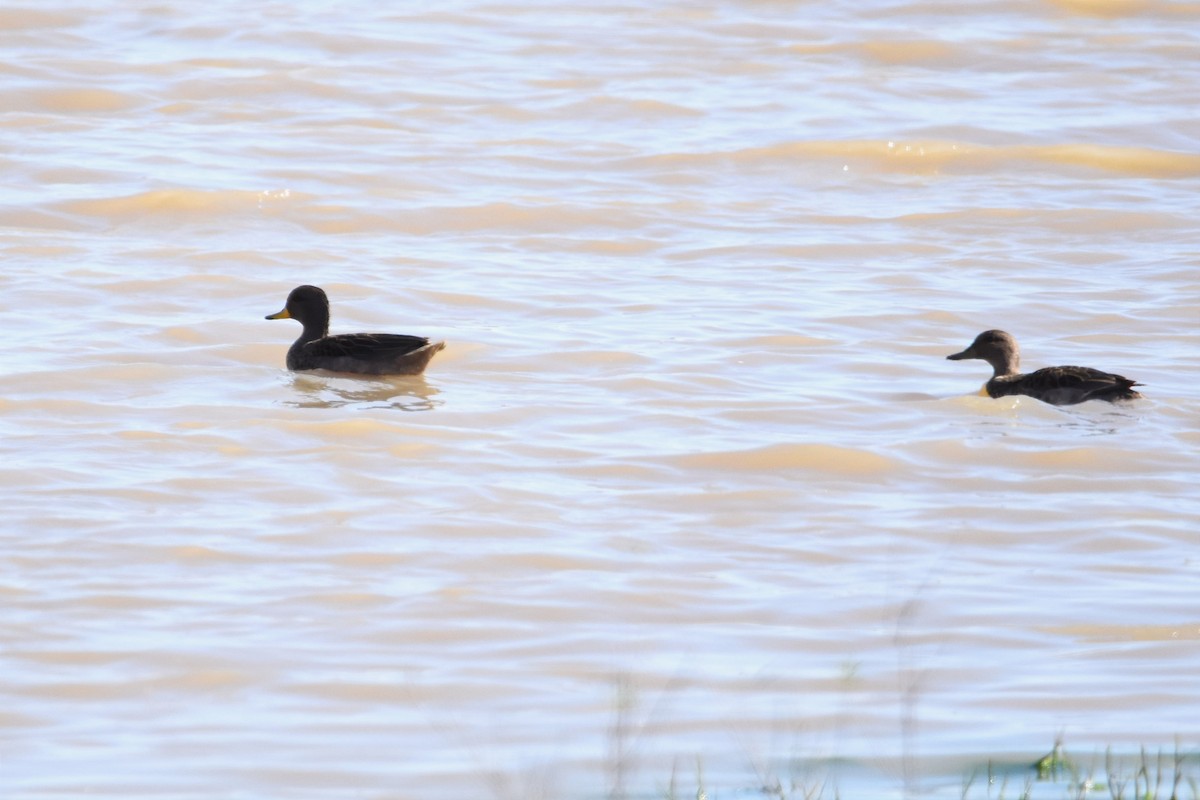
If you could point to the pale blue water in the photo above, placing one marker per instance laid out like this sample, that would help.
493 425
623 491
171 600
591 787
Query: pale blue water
692 483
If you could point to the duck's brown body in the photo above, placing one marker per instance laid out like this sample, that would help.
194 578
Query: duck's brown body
359 353
1060 386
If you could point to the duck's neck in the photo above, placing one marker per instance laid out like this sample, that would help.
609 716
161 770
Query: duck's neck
1005 364
313 330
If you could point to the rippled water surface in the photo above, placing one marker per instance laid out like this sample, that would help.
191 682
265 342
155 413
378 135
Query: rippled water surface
692 498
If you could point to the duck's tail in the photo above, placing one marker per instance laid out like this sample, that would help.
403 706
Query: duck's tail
1123 389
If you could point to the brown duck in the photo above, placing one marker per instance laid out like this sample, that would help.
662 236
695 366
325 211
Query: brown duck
361 353
1060 386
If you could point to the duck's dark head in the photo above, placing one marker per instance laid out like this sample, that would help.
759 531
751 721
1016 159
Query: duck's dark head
995 347
309 306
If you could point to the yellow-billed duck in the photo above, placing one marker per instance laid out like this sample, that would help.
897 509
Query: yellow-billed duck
361 353
1060 386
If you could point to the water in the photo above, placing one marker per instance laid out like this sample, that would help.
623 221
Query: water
692 486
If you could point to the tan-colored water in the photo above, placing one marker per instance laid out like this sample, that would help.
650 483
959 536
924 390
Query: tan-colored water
692 481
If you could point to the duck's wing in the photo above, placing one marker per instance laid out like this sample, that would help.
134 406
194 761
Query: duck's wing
366 346
1068 385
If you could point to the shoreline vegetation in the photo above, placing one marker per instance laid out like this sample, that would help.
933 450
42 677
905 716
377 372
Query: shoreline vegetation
1160 772
1145 775
1148 774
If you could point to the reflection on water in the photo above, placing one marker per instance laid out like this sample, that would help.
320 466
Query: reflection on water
1097 420
320 389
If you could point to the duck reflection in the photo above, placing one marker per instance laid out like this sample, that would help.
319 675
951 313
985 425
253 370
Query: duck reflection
327 390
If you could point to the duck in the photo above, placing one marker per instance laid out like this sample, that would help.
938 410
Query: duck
357 353
1060 386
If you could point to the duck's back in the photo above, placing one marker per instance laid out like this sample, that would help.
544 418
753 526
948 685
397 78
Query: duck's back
1064 386
365 353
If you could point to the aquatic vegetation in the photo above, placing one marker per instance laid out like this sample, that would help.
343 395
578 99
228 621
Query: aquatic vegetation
1145 775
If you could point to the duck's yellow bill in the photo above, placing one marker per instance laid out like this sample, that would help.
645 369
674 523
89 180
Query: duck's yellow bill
280 315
